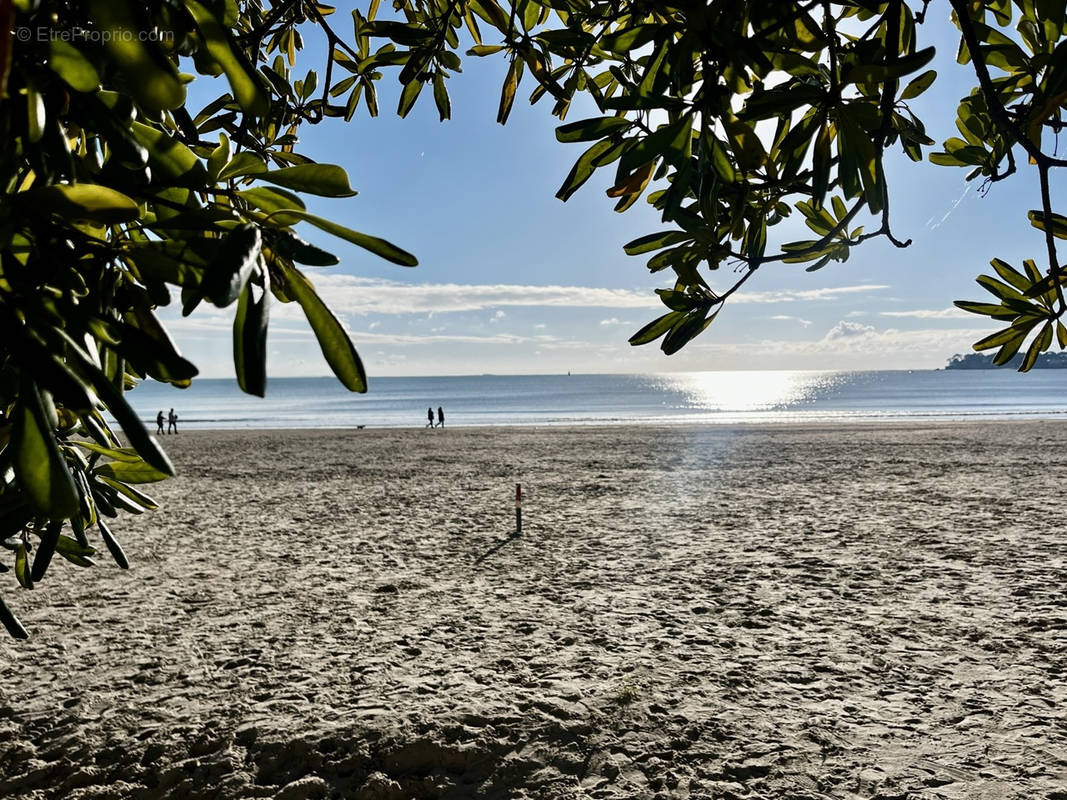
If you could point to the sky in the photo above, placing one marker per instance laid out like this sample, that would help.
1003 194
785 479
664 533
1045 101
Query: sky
511 280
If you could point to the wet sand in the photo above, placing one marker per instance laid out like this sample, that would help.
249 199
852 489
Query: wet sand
772 612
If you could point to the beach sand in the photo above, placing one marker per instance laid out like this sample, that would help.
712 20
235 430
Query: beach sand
722 612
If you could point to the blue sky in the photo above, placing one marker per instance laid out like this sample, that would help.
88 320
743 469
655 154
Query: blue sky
511 280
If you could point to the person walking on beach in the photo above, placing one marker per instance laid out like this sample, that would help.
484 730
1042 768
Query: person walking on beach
159 422
172 422
440 417
429 416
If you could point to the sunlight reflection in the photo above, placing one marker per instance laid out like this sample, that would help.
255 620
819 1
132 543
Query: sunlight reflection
751 390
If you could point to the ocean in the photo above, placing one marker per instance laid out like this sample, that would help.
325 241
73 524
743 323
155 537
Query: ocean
684 398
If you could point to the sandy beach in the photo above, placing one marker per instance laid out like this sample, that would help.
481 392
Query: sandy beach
721 612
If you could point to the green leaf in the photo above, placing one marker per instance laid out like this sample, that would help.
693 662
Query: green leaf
291 246
1040 343
1011 275
340 354
918 85
652 71
1044 284
39 465
720 160
1000 338
239 71
1008 350
250 340
822 262
485 49
326 180
170 157
582 170
242 165
114 453
627 39
781 100
655 241
746 144
67 546
879 73
152 78
440 97
986 309
219 157
229 271
22 567
69 64
146 344
808 34
113 545
998 289
143 442
507 91
380 247
270 200
656 328
84 202
671 142
1056 223
45 550
675 300
135 495
411 92
685 331
859 158
76 559
11 622
588 130
130 472
945 160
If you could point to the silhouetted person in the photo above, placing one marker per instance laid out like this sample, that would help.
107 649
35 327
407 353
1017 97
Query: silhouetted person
159 422
172 422
429 416
440 417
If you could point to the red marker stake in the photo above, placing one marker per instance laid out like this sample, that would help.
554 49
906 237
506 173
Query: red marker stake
518 509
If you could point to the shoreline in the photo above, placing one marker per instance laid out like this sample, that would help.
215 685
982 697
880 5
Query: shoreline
869 423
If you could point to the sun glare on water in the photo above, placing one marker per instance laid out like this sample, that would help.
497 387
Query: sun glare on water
744 390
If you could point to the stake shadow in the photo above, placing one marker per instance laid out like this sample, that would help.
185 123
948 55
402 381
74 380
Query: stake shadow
511 537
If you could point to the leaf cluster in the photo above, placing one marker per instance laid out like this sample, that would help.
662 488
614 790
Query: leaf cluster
120 199
728 118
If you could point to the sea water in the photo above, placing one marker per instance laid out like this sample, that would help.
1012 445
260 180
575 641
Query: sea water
693 398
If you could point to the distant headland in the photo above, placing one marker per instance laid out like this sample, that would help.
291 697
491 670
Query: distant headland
980 361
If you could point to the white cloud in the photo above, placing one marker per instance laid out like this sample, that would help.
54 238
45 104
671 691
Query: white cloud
612 321
925 313
806 295
364 337
355 295
789 318
848 330
848 345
